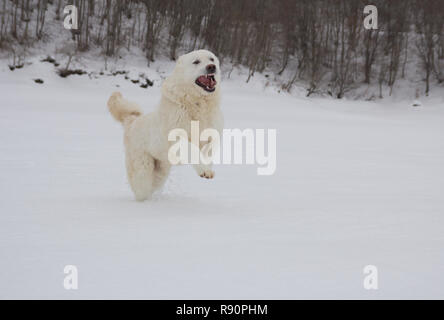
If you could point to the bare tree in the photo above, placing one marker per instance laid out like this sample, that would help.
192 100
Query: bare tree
428 22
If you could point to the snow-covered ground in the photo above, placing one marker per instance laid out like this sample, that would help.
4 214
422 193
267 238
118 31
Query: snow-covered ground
357 183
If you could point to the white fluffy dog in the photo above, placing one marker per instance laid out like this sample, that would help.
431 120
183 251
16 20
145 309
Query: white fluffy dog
191 93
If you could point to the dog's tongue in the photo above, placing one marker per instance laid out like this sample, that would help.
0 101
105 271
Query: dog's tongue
207 81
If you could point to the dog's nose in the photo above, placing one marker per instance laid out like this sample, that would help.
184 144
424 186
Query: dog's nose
211 68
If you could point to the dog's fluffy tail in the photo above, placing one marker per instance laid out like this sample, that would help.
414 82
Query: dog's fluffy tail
123 110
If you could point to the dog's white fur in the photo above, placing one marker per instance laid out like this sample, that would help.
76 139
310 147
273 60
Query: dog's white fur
146 136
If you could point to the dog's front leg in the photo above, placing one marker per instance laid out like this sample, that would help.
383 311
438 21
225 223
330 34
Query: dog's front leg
204 171
205 167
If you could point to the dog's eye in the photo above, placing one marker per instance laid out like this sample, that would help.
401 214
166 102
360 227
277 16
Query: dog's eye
196 62
211 59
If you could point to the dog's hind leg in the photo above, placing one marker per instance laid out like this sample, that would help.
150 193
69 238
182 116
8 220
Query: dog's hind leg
140 169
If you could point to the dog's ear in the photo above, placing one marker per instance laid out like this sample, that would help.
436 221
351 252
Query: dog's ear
175 57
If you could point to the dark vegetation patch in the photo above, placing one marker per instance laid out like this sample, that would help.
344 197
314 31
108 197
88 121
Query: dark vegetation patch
115 73
18 66
143 81
64 73
148 83
51 60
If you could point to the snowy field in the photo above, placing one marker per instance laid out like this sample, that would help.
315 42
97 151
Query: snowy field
357 183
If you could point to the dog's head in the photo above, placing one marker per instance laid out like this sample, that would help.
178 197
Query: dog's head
196 74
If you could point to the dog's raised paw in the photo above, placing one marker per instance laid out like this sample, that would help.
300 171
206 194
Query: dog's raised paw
207 174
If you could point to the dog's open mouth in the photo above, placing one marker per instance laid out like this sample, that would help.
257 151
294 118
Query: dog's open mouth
207 82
